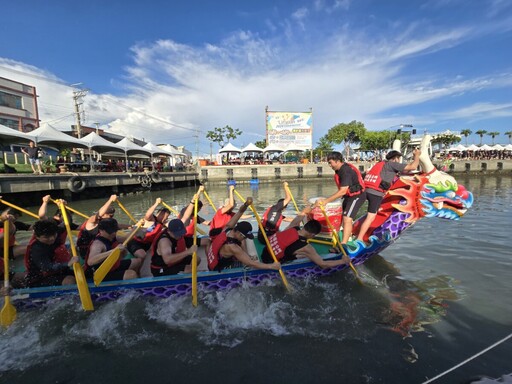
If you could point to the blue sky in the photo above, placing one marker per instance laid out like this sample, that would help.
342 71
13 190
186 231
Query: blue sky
170 71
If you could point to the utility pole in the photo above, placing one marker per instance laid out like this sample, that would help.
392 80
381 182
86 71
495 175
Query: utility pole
77 96
197 145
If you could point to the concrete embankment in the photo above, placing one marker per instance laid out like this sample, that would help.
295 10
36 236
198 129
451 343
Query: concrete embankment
273 172
28 189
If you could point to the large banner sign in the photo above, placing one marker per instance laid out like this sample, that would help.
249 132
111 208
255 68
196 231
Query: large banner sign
290 129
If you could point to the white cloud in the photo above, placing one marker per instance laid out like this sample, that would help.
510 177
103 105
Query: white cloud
349 76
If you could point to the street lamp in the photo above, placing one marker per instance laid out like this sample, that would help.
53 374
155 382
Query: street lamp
399 130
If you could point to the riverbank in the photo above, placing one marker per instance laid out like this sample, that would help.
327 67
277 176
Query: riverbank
255 174
28 189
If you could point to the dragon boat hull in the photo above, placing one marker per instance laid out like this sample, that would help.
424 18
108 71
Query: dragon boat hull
431 193
181 284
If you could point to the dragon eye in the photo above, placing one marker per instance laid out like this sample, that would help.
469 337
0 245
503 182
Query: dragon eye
451 194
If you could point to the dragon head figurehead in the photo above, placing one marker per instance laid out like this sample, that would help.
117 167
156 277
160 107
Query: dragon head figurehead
430 193
441 195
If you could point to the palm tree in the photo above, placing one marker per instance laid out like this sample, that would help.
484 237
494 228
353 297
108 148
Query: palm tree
493 135
481 133
466 133
509 134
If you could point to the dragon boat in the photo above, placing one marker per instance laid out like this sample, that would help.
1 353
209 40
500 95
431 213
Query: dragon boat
429 193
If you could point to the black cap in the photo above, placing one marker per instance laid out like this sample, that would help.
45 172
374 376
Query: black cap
245 228
108 225
177 227
392 154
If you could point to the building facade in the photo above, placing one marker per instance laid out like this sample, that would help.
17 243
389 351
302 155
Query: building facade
18 105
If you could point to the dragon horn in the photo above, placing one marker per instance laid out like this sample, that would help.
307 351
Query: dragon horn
425 162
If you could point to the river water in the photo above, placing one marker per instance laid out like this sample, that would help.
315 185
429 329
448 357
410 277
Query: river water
439 295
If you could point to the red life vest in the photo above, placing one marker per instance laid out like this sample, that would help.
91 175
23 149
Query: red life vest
151 235
280 240
85 237
272 219
373 178
220 219
12 238
354 189
60 255
157 261
213 254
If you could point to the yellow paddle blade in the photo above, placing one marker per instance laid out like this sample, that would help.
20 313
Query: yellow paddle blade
8 313
106 266
83 288
81 283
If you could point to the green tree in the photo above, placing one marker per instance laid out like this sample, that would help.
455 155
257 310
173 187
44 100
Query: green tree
350 133
509 134
324 144
493 135
377 140
261 144
222 135
466 133
481 133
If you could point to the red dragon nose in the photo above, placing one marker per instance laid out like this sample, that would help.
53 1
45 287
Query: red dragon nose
462 192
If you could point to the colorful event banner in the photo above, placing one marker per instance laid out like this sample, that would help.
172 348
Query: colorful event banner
290 129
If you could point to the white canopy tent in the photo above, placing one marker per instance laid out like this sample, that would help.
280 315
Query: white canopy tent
13 136
458 148
485 147
99 144
473 147
230 148
498 147
252 148
508 147
52 137
131 148
156 151
273 148
173 151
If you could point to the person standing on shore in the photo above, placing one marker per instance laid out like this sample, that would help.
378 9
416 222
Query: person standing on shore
32 151
379 179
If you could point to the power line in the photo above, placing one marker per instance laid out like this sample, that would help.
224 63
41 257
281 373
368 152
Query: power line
117 102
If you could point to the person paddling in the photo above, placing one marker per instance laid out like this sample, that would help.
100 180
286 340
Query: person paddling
89 229
292 243
226 248
42 257
273 216
102 246
153 225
